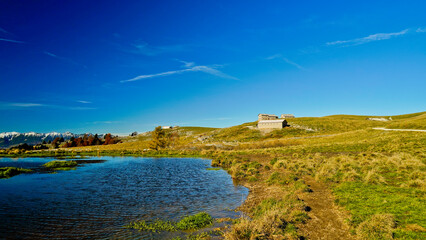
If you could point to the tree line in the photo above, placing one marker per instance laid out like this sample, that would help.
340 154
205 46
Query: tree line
87 140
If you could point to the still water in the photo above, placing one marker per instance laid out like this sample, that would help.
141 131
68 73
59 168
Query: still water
97 199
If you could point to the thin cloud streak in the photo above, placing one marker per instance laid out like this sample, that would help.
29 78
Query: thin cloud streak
84 102
421 30
15 105
143 48
205 69
187 64
25 105
10 40
293 63
279 56
370 38
63 59
7 32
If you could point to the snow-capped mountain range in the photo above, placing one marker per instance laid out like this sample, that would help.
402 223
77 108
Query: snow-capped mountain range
8 139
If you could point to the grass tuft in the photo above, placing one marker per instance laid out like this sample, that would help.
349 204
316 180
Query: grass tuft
378 227
7 172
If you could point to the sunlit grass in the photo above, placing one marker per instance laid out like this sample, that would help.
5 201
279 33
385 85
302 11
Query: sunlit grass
378 176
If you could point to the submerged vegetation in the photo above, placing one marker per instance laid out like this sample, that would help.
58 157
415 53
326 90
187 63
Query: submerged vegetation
371 183
7 172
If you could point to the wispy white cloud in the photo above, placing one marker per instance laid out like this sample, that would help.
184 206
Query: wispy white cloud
370 38
10 40
25 105
187 64
63 59
156 75
20 105
6 32
82 101
206 69
8 35
50 54
30 105
141 47
273 57
421 30
293 63
281 57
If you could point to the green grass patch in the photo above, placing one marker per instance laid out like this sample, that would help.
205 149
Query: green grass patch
192 222
155 226
7 172
61 165
57 164
365 200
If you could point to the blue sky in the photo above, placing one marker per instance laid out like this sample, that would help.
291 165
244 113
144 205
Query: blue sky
110 66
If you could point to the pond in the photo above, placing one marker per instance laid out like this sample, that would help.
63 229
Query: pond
97 199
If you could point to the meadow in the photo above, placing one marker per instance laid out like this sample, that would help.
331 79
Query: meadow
331 177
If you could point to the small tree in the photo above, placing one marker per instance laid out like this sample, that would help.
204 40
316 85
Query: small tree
55 142
158 139
96 140
109 139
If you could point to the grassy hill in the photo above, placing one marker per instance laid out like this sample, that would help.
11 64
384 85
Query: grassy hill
369 182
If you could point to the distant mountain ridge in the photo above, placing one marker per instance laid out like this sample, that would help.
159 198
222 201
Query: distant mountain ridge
9 139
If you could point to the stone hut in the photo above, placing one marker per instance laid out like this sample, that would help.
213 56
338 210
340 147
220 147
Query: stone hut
263 116
287 116
272 124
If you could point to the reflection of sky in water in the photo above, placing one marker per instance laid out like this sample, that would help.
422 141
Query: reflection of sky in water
97 199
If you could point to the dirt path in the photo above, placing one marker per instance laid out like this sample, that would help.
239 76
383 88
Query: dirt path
327 220
404 130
